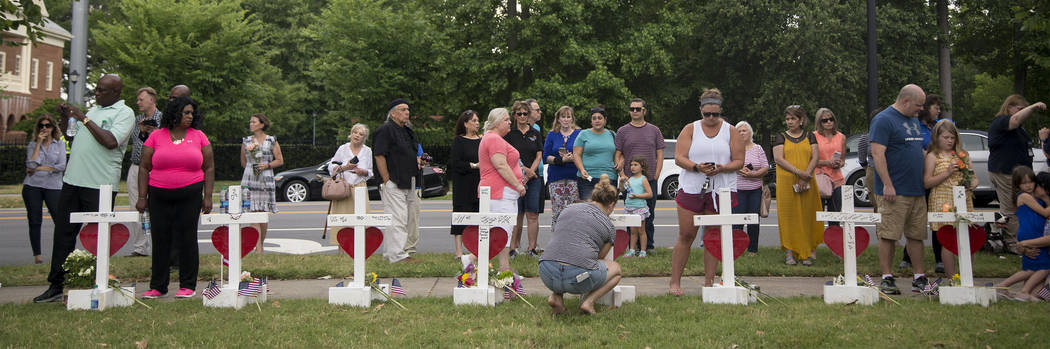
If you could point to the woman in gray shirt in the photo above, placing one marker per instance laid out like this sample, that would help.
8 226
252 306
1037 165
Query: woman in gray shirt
45 163
573 261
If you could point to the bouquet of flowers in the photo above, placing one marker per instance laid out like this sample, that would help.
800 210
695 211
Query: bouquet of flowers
963 158
80 273
254 151
507 280
370 281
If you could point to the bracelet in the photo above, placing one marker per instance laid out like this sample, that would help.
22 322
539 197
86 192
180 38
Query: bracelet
86 120
696 167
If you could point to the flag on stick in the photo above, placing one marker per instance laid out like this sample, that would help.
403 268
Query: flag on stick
211 291
395 287
250 288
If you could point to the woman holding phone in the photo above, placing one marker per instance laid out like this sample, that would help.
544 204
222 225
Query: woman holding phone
353 162
832 146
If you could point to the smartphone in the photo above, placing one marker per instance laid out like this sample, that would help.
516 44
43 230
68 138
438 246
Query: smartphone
750 167
337 163
562 151
709 163
836 156
354 160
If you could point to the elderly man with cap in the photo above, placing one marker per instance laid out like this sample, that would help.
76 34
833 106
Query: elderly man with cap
394 145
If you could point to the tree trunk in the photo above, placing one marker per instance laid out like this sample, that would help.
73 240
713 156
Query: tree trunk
945 59
1020 66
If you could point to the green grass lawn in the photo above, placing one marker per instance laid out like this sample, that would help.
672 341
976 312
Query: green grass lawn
769 262
657 322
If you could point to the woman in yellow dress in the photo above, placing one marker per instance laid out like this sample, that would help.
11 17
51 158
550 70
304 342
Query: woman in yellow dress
795 152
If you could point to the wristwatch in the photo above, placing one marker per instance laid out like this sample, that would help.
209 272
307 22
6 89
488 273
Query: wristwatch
86 120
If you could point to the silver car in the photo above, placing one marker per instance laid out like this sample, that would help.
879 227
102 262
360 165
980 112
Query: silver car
973 141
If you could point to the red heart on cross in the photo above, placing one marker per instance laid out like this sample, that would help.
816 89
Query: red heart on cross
713 242
373 238
118 236
497 240
220 238
949 239
620 244
833 237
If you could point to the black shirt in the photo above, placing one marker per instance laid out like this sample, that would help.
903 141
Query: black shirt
527 144
398 145
1007 148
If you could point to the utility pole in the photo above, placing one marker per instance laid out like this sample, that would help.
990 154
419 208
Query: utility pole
873 67
945 59
78 53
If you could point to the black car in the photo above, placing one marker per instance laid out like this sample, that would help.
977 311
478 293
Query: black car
304 184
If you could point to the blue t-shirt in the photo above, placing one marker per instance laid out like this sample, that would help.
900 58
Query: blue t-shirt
902 137
555 141
927 135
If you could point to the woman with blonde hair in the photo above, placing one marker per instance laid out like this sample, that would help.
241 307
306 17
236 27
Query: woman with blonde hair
1009 146
353 163
749 182
561 169
831 147
500 168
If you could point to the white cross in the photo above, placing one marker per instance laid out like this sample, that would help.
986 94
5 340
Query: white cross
726 219
233 219
622 293
104 217
360 222
849 218
485 220
962 232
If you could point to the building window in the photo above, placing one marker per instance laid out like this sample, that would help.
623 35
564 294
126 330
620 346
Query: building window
34 73
18 66
50 76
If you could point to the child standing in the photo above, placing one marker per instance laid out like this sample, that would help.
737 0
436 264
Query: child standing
637 190
1031 217
944 159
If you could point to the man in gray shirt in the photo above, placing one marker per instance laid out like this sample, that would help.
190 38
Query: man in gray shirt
146 121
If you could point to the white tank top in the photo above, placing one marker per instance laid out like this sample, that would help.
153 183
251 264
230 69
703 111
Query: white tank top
705 149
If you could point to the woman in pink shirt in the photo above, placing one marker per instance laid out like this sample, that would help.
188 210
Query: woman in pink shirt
832 146
176 168
500 169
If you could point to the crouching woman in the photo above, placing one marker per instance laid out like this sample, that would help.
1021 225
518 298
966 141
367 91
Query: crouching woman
574 258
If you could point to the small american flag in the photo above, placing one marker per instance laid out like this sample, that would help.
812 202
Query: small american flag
212 290
931 288
1043 293
395 287
225 262
340 284
518 287
250 288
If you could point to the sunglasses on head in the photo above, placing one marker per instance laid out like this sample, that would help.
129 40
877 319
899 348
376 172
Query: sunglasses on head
711 114
45 125
636 109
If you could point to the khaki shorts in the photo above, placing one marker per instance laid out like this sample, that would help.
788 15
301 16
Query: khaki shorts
906 215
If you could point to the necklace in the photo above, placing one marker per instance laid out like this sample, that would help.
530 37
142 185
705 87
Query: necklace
177 141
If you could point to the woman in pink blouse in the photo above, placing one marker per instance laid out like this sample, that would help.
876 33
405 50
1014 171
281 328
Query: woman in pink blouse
749 183
176 175
500 169
832 146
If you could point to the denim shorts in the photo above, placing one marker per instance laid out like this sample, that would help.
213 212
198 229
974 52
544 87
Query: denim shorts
532 201
561 278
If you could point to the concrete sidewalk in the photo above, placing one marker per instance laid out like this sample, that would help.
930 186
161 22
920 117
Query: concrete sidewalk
443 286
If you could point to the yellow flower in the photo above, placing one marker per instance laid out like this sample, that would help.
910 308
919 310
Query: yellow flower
371 277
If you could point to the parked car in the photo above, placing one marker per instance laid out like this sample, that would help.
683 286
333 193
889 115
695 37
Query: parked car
973 141
304 184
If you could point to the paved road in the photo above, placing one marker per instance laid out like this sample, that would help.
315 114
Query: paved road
297 229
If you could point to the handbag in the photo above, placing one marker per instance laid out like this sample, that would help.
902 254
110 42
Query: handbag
335 188
767 199
824 185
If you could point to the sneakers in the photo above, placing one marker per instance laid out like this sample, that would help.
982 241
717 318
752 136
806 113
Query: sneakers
534 254
629 253
51 295
939 269
889 286
642 254
513 253
184 293
918 285
151 294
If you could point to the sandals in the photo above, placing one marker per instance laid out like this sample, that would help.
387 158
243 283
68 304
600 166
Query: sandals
790 260
808 262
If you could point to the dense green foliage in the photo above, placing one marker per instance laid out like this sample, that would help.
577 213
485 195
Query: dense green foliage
343 60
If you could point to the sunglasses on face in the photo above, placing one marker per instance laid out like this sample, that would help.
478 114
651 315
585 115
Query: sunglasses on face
636 109
827 120
707 115
45 125
521 113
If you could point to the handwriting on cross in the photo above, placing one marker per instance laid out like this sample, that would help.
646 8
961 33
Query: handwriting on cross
962 230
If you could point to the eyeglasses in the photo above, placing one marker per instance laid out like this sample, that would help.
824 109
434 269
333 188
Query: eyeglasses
520 113
636 109
45 125
187 112
827 120
706 115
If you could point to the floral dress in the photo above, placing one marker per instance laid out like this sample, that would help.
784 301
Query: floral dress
941 196
260 183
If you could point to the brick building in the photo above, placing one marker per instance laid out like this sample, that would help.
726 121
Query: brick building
31 73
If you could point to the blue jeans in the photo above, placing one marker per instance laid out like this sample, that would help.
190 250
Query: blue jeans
35 198
561 278
749 201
